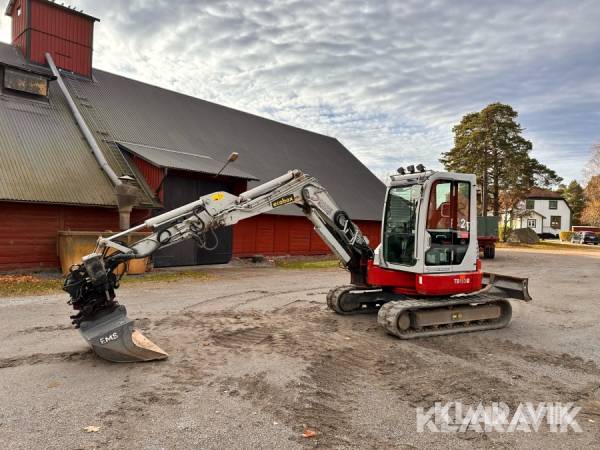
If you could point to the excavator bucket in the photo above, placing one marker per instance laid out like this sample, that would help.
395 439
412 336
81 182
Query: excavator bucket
113 337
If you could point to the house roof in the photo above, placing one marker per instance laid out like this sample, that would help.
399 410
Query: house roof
174 159
541 193
50 162
528 213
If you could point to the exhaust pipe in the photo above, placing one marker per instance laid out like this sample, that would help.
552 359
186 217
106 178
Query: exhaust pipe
125 194
126 198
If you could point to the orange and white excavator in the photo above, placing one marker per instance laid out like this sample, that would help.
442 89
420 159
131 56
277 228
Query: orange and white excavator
424 279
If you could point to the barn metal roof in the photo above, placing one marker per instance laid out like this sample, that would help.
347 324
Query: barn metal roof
136 112
174 159
48 160
10 56
43 156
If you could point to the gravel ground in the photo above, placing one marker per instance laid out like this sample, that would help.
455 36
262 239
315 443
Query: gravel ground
256 358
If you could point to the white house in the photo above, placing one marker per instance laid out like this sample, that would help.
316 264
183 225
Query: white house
544 211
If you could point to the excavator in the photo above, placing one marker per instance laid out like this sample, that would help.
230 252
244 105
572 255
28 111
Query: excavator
424 279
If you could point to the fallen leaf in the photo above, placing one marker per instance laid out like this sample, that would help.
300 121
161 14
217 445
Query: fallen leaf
308 433
91 429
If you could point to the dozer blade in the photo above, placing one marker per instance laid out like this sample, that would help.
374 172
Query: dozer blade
507 286
113 337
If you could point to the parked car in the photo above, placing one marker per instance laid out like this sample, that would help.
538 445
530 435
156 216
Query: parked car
585 237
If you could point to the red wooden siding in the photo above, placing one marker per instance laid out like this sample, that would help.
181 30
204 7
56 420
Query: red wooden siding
67 35
153 175
28 232
274 235
19 26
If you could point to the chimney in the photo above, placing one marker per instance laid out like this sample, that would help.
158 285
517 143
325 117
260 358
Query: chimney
40 26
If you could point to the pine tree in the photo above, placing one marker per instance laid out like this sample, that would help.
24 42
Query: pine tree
490 144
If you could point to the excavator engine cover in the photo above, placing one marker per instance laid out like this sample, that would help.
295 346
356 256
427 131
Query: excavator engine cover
113 337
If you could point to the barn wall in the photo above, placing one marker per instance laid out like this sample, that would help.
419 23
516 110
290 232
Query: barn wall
46 27
19 26
154 175
65 34
28 232
274 235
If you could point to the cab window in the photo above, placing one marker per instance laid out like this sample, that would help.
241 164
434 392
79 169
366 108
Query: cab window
399 228
448 222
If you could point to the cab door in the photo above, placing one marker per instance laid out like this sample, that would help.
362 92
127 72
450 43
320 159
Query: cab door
448 225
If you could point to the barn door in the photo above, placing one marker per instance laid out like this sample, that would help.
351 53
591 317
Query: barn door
179 190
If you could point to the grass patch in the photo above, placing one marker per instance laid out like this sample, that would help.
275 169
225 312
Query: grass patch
166 276
550 246
22 285
321 264
17 285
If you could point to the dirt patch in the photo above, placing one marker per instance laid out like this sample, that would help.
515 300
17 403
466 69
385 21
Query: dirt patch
45 358
256 358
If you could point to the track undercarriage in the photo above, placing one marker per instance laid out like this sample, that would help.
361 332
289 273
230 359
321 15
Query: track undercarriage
412 317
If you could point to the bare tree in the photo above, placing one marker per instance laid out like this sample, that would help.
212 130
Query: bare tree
593 165
591 213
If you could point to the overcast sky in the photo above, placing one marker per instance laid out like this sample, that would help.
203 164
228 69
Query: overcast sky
388 79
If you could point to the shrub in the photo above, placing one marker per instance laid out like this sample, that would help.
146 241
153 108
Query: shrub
503 233
566 236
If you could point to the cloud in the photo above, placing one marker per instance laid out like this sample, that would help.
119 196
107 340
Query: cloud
389 79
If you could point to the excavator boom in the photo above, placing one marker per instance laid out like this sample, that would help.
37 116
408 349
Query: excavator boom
103 322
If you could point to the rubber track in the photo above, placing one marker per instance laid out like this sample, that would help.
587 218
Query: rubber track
335 295
390 312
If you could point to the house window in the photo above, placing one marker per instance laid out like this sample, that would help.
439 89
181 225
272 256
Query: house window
530 204
530 223
555 222
553 204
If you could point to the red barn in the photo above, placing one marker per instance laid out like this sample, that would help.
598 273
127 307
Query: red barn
170 145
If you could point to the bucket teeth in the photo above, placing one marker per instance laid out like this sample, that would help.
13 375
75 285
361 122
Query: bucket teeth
113 337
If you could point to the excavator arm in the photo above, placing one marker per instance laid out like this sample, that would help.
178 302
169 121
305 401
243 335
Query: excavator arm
92 284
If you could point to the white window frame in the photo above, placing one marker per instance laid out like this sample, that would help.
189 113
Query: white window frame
531 223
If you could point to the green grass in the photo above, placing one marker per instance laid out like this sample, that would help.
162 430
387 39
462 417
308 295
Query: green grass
321 264
17 285
21 285
167 276
550 246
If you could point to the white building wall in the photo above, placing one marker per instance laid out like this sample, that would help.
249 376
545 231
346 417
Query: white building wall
523 222
543 207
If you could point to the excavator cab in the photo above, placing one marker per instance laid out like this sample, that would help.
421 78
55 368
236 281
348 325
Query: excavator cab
429 224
